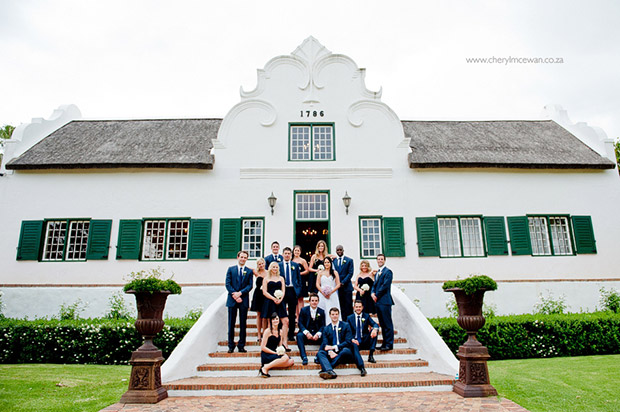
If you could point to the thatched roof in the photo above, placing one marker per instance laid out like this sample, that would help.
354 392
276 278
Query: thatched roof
506 144
94 144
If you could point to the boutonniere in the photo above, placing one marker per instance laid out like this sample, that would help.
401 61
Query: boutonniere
344 261
278 259
318 314
339 329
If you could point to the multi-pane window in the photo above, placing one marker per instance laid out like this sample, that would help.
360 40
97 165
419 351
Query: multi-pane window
312 206
311 142
167 238
252 237
371 236
62 244
465 231
550 236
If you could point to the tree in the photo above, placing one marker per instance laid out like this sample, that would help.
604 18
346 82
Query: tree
5 133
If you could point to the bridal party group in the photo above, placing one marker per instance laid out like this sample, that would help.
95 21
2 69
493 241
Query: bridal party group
337 317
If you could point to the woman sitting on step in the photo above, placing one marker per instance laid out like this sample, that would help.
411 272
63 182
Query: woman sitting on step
273 354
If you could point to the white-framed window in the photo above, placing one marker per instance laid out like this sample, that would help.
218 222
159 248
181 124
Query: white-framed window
457 231
370 231
252 237
546 231
165 239
312 206
62 244
311 142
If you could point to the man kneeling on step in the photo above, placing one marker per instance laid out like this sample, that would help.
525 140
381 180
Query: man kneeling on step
336 347
311 321
365 331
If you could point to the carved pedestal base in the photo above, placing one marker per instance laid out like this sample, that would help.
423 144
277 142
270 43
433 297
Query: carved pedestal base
473 372
145 382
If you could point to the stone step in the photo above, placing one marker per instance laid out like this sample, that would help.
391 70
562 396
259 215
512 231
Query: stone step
242 385
293 342
256 348
254 332
256 353
251 368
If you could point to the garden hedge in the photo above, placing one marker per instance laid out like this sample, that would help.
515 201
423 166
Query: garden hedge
104 341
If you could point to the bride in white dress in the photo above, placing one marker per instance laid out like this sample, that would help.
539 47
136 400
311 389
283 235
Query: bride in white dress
328 282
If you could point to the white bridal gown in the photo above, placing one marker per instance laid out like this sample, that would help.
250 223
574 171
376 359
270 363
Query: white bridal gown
333 301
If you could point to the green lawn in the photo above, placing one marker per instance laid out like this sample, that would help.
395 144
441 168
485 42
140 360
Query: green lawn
585 383
41 387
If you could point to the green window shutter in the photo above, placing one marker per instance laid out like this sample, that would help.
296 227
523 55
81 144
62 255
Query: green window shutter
230 238
428 236
199 239
98 239
30 240
393 237
128 245
495 231
584 234
519 229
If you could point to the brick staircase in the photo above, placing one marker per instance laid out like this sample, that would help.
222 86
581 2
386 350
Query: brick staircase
236 373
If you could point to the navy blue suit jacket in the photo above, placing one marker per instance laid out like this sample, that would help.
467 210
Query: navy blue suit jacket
382 287
344 335
345 272
233 284
295 276
269 259
367 324
307 324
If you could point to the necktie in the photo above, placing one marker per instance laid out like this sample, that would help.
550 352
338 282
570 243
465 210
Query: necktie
358 331
240 273
288 274
340 262
335 336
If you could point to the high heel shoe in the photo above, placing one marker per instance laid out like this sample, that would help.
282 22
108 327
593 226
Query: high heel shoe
263 374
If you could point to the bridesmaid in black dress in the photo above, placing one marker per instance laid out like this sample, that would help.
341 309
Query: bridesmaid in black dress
365 277
272 283
258 298
272 339
316 260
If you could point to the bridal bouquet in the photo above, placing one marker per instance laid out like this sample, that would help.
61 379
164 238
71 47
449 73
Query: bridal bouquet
365 287
278 294
321 267
280 350
326 290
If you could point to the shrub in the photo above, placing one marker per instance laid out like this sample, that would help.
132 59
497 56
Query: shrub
194 314
550 306
118 307
72 311
150 280
610 300
1 306
471 284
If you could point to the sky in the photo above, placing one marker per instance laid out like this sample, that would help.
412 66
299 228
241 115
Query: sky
187 59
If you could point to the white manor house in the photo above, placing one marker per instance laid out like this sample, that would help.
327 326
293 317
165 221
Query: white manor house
533 204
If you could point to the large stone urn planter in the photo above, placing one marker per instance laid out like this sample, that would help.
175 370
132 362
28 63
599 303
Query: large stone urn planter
473 372
145 381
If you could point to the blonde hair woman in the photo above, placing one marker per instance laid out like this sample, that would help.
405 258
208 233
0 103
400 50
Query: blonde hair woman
258 298
273 290
320 253
363 285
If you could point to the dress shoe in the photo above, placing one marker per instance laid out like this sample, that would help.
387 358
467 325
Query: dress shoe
385 348
304 362
231 350
288 349
316 360
371 359
362 371
263 374
332 375
242 350
325 375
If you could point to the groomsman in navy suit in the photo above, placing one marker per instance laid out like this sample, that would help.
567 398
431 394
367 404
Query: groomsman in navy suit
336 346
344 266
311 322
238 285
275 256
291 272
381 294
365 331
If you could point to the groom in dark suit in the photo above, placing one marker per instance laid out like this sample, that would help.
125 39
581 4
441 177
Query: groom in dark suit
344 266
275 256
311 322
291 272
365 331
382 295
238 285
336 346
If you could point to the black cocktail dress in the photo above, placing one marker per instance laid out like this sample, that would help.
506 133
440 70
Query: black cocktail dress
269 306
369 304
